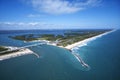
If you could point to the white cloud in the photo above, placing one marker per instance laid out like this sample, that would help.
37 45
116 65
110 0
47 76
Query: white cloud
29 25
35 15
21 24
32 15
61 6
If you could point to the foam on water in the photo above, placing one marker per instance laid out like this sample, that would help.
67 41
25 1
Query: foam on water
91 39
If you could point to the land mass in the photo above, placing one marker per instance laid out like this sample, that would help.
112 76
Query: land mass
64 39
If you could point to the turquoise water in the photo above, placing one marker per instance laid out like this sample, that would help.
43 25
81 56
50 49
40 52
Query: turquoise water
101 54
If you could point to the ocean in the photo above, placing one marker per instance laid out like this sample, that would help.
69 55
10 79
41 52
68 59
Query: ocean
101 54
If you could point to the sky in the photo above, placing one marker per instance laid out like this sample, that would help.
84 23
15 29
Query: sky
59 14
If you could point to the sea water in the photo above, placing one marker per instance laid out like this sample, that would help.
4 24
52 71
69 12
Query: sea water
101 54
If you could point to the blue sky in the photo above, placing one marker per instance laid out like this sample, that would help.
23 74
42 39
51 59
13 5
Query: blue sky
59 14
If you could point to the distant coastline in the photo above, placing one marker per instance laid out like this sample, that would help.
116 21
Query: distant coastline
62 40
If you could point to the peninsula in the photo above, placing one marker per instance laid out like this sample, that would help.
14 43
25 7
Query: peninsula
66 40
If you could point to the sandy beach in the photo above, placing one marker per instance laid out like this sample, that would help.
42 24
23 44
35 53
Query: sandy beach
86 40
80 43
16 54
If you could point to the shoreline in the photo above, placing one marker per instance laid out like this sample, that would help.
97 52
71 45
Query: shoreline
16 54
71 46
80 43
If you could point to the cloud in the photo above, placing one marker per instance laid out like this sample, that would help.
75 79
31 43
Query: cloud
35 15
61 6
21 24
29 25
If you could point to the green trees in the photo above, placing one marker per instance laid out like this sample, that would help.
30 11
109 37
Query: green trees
64 40
3 48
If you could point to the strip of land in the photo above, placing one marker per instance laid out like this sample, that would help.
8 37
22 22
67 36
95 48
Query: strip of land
68 40
85 41
79 43
15 54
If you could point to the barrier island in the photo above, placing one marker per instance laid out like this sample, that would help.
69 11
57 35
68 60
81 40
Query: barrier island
63 40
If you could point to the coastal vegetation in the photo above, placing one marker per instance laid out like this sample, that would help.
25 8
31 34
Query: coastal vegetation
3 48
8 52
65 39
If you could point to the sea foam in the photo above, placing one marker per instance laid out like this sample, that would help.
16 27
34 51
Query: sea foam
76 54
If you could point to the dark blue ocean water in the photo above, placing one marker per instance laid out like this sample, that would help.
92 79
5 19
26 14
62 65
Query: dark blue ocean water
102 55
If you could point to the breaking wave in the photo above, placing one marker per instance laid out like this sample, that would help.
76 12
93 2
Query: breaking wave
84 43
75 51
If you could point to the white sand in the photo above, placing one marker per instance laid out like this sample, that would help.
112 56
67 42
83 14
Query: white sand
16 54
86 40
